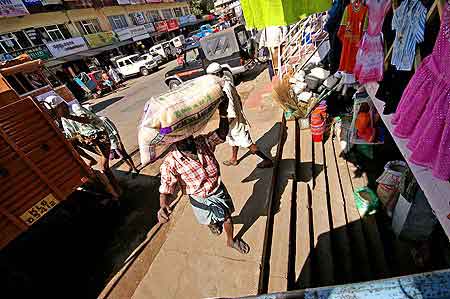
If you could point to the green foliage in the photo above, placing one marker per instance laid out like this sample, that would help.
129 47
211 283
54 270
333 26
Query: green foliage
201 7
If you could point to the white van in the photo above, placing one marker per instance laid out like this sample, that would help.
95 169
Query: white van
134 64
158 50
178 41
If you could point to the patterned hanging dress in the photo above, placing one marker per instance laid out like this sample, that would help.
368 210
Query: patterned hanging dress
353 23
370 57
423 114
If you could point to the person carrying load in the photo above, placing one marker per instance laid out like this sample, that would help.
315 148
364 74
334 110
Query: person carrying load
239 134
192 164
86 130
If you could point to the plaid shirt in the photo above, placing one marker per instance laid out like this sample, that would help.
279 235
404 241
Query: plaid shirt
197 177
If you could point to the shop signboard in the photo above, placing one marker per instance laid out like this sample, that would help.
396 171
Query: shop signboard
51 2
187 20
67 47
208 17
161 26
137 30
37 52
172 25
150 28
139 33
32 3
100 39
12 8
123 2
141 37
123 34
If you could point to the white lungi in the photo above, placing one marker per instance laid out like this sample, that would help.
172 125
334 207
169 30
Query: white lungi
239 133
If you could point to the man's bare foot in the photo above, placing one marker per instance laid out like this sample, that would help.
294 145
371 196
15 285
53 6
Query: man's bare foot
265 164
230 163
239 245
216 228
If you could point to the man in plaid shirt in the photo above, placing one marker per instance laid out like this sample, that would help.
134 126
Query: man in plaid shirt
192 164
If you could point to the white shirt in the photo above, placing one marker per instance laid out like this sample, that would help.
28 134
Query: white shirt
272 36
235 109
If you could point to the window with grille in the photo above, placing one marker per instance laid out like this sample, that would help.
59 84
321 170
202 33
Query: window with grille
89 26
118 22
51 33
138 18
22 39
167 14
178 12
154 16
9 43
186 10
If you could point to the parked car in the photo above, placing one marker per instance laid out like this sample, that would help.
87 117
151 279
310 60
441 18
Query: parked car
159 60
206 30
178 41
190 41
134 64
158 50
149 57
165 49
228 47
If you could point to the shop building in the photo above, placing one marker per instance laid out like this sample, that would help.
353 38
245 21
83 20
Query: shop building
61 32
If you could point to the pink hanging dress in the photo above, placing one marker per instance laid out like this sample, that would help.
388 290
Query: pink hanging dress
369 65
423 114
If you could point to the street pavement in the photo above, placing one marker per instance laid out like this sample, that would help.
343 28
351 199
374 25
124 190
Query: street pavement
125 107
192 263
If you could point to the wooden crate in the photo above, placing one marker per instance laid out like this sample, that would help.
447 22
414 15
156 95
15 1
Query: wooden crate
38 167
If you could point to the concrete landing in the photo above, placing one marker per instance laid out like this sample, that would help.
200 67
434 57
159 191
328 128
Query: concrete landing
193 263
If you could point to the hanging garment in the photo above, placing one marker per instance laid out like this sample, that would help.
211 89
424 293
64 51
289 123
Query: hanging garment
353 23
392 87
332 25
370 57
409 24
423 113
263 13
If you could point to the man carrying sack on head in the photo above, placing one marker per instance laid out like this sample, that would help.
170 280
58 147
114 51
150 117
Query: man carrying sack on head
192 164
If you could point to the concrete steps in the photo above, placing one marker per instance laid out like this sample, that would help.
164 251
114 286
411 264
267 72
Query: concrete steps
319 238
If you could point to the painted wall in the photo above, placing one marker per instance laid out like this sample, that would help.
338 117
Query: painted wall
70 16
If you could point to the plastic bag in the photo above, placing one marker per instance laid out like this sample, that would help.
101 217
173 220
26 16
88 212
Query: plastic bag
389 184
366 201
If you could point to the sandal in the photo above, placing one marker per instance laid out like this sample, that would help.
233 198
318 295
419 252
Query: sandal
230 163
241 246
134 174
216 229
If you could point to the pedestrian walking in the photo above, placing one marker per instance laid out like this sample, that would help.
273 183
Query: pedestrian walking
118 150
239 133
107 81
114 75
85 129
192 164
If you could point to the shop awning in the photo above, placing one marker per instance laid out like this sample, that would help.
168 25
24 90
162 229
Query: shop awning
263 13
87 53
